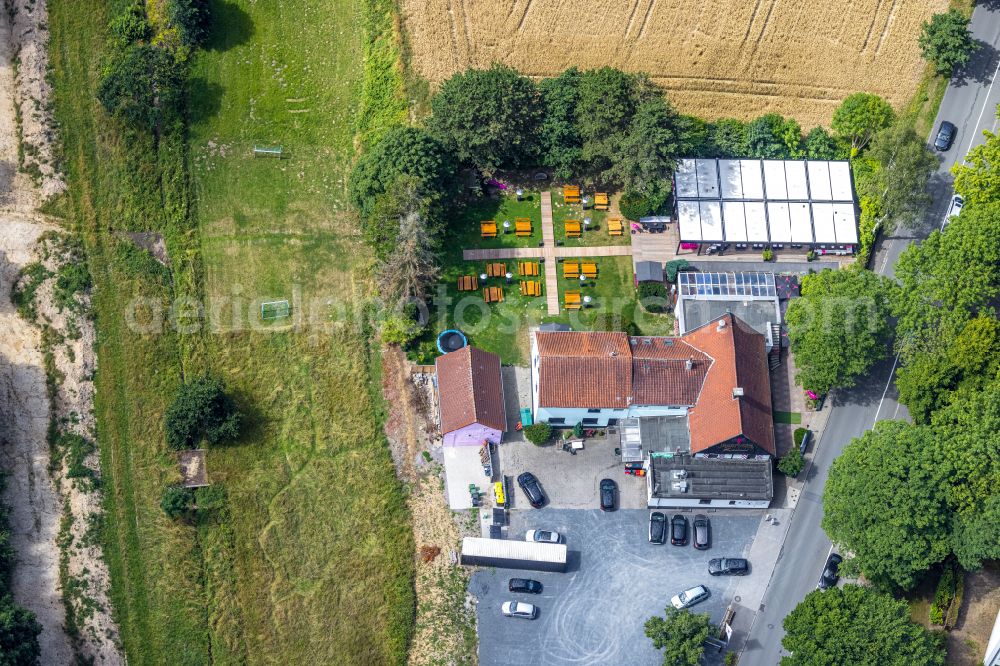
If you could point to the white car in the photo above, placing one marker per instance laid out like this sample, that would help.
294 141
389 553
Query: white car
689 598
956 206
543 536
519 609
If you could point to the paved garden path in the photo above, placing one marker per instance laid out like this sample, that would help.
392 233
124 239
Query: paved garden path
549 252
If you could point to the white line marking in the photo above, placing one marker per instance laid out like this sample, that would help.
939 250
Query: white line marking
887 383
983 110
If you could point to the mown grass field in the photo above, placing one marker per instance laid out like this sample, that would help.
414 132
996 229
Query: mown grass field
312 559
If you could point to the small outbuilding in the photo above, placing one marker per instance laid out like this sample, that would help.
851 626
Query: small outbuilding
648 271
470 395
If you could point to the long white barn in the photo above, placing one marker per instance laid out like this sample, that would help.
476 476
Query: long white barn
766 202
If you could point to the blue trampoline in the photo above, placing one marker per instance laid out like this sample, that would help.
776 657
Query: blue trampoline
451 340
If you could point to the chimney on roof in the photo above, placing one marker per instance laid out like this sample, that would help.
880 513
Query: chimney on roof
614 353
689 364
722 325
737 392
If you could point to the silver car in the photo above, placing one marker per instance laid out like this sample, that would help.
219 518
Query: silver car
543 536
689 598
519 609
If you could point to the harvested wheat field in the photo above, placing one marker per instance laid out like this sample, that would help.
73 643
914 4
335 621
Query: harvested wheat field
737 58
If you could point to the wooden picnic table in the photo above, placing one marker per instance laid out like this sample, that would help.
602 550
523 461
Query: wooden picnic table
571 269
488 229
493 295
522 226
573 229
589 269
528 268
615 226
531 288
496 269
468 283
601 201
572 300
571 194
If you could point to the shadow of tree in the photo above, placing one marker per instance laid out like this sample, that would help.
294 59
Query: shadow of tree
231 26
205 99
980 67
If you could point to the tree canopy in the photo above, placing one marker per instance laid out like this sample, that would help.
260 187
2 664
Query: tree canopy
859 117
488 118
883 501
820 145
19 631
559 138
945 41
644 156
201 410
680 634
839 327
859 626
608 100
773 137
977 179
192 18
142 85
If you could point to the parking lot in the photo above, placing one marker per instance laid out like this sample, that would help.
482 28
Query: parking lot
594 613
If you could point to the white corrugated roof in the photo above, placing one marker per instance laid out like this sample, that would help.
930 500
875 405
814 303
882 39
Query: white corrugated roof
774 179
686 179
756 222
795 177
711 221
689 220
735 218
845 224
731 178
840 181
777 216
753 180
823 223
798 214
708 179
819 181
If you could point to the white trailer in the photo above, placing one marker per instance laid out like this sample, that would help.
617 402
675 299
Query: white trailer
510 554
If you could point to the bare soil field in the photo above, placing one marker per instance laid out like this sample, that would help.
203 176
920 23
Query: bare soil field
725 59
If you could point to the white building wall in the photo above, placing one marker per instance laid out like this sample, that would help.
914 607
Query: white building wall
680 503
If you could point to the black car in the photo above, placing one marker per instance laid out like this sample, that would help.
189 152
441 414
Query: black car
945 135
525 585
830 576
608 490
529 484
679 530
657 527
701 538
728 566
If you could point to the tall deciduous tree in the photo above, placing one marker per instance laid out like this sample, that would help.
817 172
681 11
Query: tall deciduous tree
201 410
895 173
644 156
559 137
142 85
773 137
839 327
488 118
819 145
608 101
728 138
19 631
680 634
945 41
858 626
192 19
977 179
885 502
860 117
403 151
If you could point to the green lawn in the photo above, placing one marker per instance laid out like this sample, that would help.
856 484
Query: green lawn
312 560
499 207
596 233
791 418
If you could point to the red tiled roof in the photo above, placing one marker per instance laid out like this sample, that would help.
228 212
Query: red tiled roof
612 371
660 375
585 370
740 362
470 389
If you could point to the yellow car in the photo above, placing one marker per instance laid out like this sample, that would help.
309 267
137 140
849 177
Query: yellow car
498 492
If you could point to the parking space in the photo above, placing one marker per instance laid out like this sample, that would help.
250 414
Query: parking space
571 481
594 613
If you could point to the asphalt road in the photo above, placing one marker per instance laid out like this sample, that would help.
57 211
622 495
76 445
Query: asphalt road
970 103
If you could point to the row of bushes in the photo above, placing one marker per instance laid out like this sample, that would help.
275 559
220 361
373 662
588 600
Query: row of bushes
948 595
19 628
